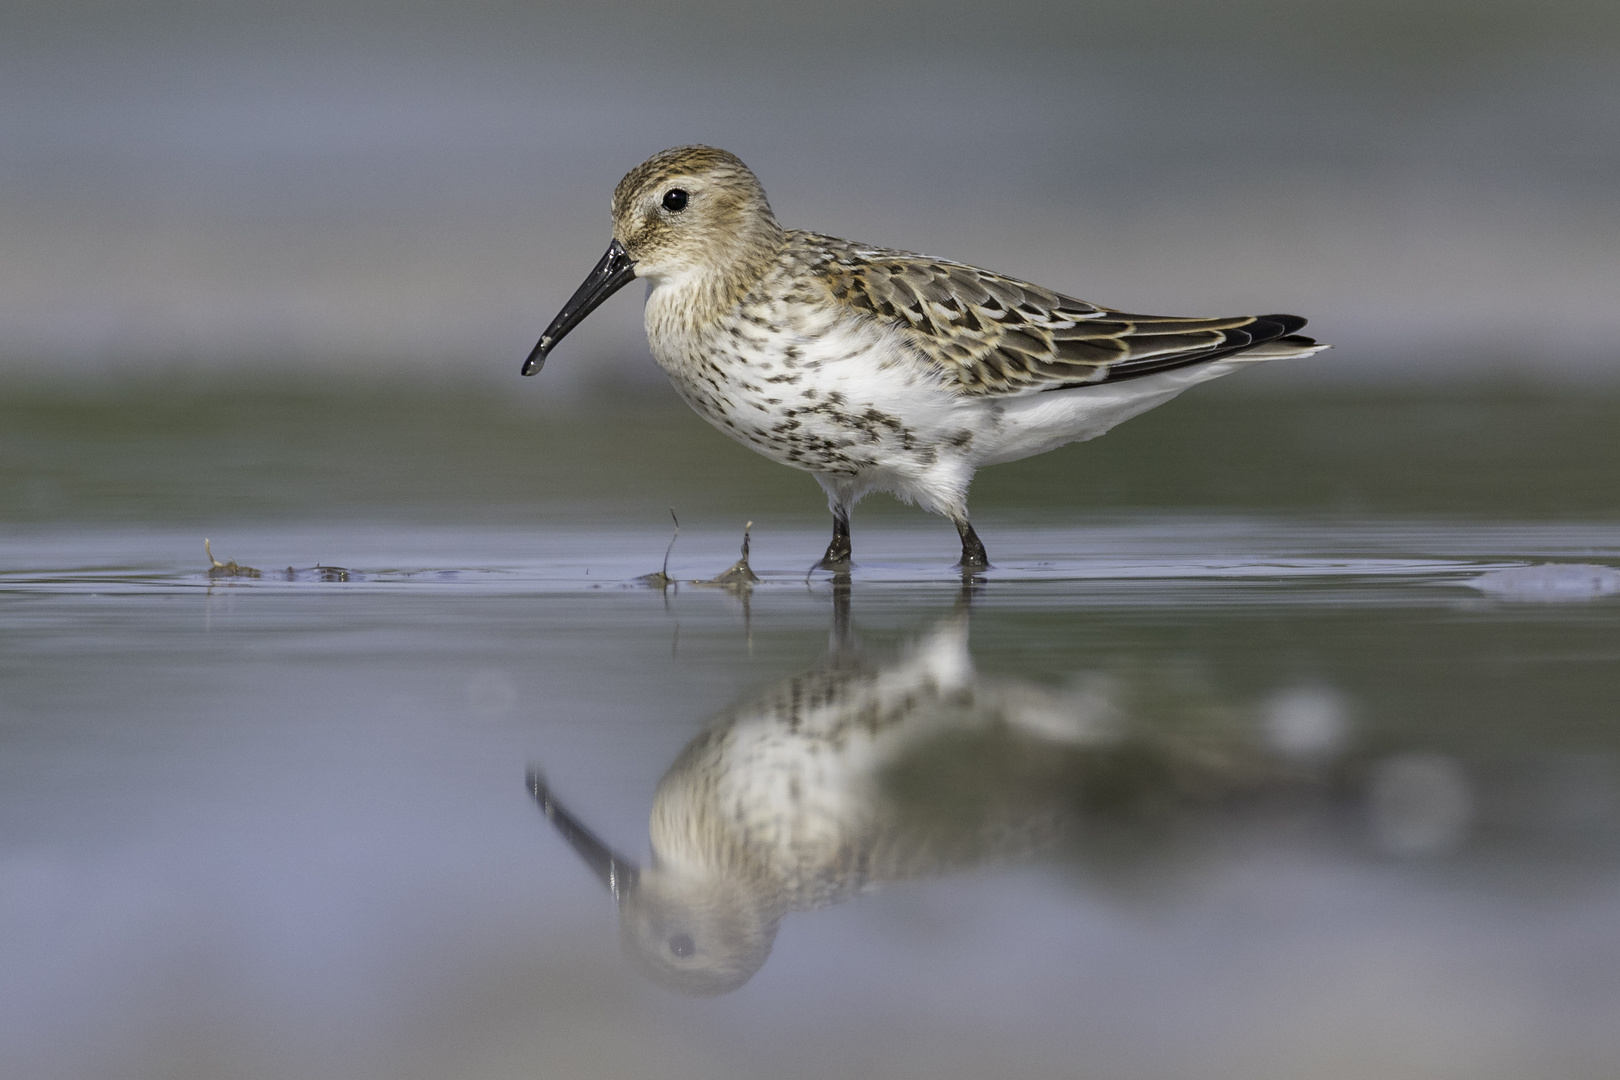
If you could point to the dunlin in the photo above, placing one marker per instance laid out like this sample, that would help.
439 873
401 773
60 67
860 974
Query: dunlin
880 370
782 805
862 773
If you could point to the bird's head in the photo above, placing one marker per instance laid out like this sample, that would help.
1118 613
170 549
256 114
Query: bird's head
690 210
687 929
699 935
688 213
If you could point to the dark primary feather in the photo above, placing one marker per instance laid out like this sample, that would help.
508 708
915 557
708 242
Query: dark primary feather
997 335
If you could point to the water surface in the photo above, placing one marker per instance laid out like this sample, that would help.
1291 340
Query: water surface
1237 780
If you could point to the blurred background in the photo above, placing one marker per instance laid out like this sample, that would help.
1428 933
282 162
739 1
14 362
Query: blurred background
267 274
355 187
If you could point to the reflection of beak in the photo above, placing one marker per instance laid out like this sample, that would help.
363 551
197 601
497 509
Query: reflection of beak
615 871
612 273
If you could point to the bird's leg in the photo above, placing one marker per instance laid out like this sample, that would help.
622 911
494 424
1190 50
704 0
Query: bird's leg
838 551
973 556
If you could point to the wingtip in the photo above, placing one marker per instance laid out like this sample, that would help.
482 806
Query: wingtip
1289 323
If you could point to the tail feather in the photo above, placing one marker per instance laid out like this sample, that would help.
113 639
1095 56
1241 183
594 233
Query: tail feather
1282 348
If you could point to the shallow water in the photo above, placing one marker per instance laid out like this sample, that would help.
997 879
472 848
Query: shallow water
1242 789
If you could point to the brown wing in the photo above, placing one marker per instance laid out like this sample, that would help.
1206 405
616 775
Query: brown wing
997 335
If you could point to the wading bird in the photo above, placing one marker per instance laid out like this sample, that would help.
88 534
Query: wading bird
879 370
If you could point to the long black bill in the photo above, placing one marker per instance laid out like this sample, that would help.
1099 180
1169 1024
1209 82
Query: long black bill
615 871
612 273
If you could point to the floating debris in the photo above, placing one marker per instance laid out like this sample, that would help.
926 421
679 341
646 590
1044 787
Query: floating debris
323 573
741 575
219 569
1550 582
661 579
318 572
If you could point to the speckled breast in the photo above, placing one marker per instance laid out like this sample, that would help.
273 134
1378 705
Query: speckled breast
805 401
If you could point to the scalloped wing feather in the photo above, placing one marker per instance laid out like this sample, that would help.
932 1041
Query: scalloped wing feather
995 335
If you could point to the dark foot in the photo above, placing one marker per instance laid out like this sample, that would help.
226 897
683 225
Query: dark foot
838 551
973 556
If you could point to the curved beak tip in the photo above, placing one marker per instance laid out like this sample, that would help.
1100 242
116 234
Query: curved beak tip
537 358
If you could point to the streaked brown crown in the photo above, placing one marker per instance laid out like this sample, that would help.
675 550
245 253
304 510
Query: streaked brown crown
666 166
725 230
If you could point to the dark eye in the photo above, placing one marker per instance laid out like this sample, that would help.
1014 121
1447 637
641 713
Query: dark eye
674 200
681 944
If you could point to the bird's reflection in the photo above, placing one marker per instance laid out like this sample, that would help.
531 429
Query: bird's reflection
862 772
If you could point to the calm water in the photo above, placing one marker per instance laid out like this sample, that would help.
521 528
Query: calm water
1270 747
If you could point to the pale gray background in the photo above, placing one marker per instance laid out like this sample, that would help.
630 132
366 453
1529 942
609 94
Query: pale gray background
251 187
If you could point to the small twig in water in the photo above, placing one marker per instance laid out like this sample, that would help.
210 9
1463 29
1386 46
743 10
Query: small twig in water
672 539
225 569
740 574
662 580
